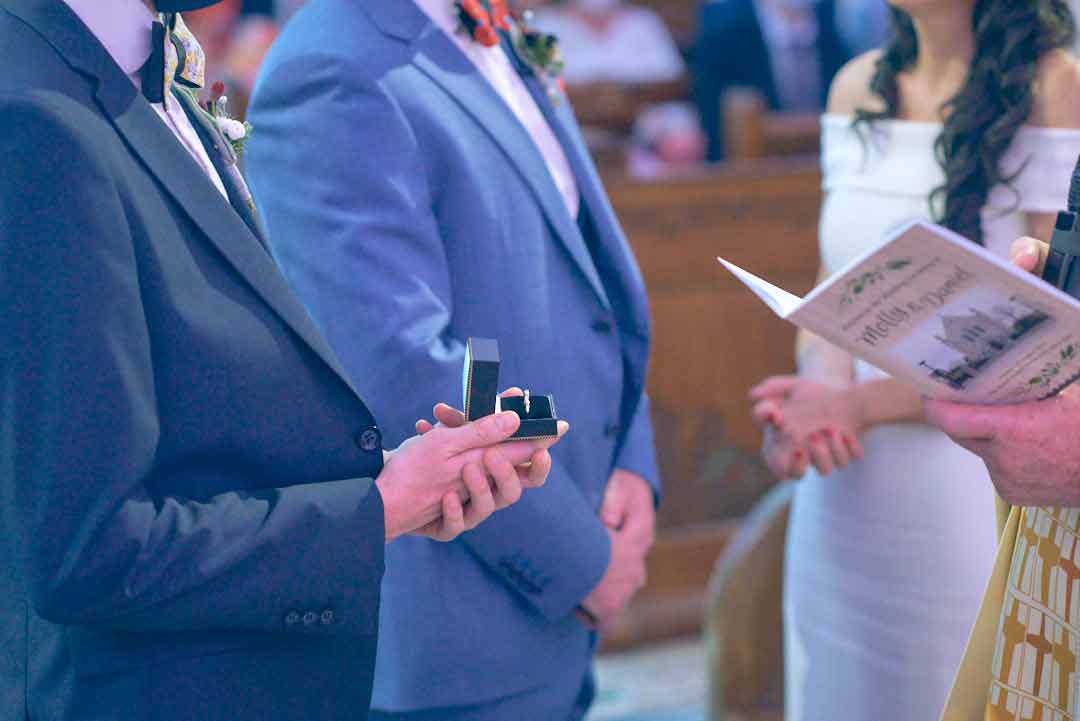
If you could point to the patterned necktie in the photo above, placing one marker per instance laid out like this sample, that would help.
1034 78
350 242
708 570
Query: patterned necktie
1036 665
175 56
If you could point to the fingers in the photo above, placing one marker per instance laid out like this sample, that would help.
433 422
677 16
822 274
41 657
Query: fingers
506 478
481 500
485 432
423 427
536 473
767 412
449 416
820 455
613 508
840 454
963 422
799 464
854 447
1029 254
775 386
452 524
511 392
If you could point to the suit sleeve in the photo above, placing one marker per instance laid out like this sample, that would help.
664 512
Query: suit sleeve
638 451
80 431
341 182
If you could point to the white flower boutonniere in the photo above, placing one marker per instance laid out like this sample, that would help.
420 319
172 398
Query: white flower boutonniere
235 131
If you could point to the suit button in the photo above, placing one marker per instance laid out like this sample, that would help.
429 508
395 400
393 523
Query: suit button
327 617
602 326
310 618
611 430
369 440
292 618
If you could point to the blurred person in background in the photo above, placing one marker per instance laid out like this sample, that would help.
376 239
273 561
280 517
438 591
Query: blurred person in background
789 50
235 35
967 116
611 41
862 24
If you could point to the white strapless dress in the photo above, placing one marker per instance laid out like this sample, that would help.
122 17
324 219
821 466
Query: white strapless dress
887 560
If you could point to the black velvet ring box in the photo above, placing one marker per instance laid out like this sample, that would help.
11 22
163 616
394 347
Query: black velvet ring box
480 385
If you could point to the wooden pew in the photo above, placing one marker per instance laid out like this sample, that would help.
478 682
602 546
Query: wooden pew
713 340
752 131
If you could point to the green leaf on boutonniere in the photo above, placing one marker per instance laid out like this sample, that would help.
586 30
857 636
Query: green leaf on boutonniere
541 51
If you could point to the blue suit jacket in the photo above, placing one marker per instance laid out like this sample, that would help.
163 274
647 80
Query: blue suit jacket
410 210
188 524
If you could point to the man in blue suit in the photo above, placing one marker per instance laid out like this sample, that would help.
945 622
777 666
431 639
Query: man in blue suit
422 185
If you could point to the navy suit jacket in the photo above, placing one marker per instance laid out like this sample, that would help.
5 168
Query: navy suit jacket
188 523
731 51
411 209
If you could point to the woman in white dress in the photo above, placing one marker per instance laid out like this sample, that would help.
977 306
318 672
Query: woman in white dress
967 116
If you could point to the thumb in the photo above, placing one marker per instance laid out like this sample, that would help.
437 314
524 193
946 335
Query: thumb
613 508
487 431
774 386
1029 254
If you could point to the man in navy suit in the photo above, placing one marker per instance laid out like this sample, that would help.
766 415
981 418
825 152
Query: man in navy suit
787 49
194 501
432 186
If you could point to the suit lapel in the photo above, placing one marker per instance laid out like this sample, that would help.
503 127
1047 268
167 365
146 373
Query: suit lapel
172 166
226 164
560 118
438 58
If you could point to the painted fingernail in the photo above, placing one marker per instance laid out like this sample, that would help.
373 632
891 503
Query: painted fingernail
771 419
798 455
828 432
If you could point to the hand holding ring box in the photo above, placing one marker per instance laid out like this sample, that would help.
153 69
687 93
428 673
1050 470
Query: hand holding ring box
480 386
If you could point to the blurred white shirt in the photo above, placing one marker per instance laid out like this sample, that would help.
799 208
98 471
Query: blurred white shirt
634 47
791 31
494 64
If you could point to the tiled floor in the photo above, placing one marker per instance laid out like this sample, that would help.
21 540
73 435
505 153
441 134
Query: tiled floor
662 683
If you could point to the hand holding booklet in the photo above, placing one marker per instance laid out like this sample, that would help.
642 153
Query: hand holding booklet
945 315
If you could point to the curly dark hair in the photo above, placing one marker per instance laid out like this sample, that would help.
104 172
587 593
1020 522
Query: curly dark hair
982 119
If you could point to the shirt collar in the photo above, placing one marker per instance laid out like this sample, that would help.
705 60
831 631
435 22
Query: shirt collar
122 26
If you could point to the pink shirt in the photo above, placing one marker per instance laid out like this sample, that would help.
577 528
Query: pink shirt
497 68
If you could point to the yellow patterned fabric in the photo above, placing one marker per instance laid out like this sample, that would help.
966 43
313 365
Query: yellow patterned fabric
1035 674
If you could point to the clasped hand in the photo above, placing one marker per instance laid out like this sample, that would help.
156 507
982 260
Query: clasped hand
452 476
806 422
629 516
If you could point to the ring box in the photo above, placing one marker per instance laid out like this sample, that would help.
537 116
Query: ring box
480 386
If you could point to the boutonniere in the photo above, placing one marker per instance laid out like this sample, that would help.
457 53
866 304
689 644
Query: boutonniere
233 130
540 51
483 19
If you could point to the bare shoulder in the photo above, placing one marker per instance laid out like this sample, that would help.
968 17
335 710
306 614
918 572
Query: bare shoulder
850 89
1057 91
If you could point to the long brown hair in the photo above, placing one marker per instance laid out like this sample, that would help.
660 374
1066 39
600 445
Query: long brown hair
981 120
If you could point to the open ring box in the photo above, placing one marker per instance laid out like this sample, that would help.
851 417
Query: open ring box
480 385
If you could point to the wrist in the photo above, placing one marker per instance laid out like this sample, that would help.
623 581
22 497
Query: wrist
855 398
391 500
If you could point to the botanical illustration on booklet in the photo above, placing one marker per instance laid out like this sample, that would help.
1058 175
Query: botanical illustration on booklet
944 314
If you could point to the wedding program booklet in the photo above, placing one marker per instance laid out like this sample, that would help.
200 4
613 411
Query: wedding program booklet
945 315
